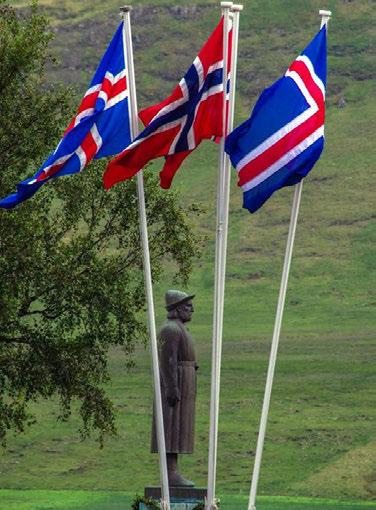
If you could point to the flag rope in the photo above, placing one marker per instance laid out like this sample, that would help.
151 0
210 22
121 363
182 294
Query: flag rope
128 55
325 16
223 187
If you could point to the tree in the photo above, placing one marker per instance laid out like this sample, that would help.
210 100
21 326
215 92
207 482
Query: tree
70 258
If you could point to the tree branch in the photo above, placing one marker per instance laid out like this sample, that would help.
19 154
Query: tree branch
16 340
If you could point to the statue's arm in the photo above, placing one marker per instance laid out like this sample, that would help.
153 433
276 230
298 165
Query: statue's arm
169 364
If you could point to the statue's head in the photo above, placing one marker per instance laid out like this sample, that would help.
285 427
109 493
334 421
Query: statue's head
179 305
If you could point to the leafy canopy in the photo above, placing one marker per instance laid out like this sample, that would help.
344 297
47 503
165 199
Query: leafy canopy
70 258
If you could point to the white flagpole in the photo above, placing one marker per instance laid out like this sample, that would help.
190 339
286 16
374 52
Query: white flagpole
236 10
221 243
128 55
325 16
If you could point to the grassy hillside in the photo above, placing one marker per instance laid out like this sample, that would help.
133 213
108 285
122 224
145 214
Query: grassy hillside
320 440
272 32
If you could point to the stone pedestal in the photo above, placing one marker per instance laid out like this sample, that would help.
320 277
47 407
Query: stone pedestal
181 498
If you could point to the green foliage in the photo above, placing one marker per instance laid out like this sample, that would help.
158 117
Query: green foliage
150 503
71 264
200 506
153 504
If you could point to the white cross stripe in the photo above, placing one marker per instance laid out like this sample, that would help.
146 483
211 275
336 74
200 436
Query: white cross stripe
59 161
161 129
116 99
82 157
303 89
172 106
103 95
110 77
211 92
93 89
216 66
183 122
200 72
96 136
82 115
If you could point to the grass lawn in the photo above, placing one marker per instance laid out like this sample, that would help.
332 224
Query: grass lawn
81 500
321 434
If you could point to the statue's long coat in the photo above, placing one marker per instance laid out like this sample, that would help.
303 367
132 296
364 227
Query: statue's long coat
178 370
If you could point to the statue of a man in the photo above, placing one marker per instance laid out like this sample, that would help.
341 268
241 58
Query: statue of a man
178 384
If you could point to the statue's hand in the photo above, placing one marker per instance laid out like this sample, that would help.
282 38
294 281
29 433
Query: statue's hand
173 397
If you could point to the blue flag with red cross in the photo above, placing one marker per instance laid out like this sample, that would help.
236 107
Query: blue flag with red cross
284 137
100 128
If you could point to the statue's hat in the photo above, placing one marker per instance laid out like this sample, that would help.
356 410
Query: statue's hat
175 298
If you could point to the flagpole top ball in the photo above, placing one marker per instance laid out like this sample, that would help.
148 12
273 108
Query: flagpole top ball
126 8
237 7
325 14
226 5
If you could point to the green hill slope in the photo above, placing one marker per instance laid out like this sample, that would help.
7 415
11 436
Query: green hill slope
167 36
323 402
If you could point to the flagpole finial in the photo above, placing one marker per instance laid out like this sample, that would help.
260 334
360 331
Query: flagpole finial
125 8
237 7
325 16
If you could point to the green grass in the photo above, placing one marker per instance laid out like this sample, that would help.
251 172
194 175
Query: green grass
321 434
81 500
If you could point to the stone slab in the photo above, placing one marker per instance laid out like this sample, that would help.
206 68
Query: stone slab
189 494
175 506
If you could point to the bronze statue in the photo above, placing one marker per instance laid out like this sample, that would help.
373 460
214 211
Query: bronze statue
178 384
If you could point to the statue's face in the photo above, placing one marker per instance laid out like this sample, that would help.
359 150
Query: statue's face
185 311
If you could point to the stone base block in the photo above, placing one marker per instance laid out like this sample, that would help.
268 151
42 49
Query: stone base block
181 498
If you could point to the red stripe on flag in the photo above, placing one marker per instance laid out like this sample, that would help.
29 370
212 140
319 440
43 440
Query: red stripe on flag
106 87
302 70
88 101
280 148
51 171
118 88
89 147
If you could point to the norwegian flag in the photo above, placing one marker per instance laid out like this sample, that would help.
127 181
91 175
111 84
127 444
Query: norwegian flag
175 127
100 128
284 136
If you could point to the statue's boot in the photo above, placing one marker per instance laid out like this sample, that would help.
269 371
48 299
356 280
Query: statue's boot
175 479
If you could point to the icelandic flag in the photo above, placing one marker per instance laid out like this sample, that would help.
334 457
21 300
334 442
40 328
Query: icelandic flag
284 137
175 127
100 128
